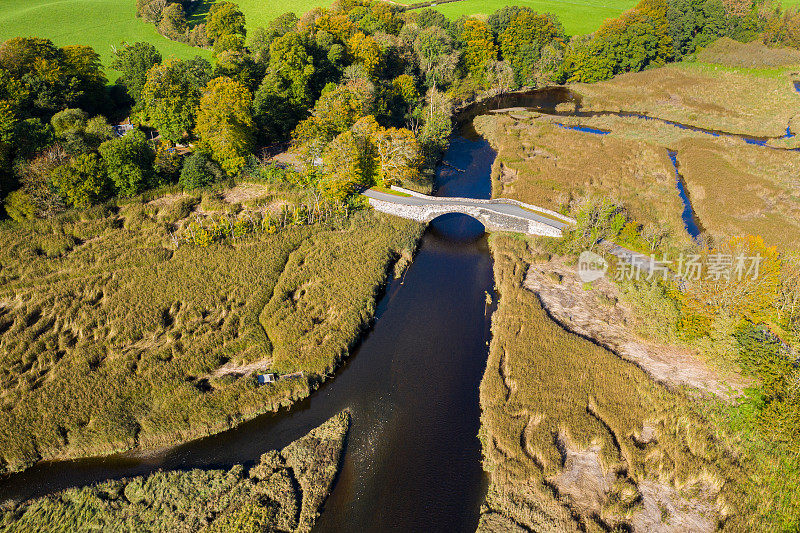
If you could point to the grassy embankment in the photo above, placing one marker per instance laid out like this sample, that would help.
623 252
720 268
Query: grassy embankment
573 434
283 492
111 337
101 24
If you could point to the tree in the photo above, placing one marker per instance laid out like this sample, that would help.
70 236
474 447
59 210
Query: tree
82 181
398 155
479 48
366 51
335 112
262 38
173 22
77 133
198 171
695 23
171 95
129 161
522 41
41 78
225 122
134 61
587 60
224 18
436 55
286 92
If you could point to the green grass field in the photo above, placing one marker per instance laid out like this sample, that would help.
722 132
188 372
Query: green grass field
577 17
101 24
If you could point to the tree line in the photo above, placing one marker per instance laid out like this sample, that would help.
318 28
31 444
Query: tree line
363 90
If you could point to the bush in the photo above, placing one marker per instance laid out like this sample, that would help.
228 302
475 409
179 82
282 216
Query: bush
198 171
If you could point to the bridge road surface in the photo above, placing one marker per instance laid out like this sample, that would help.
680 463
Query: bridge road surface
499 208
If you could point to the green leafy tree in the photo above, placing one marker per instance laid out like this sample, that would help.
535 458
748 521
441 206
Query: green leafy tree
286 91
224 18
522 41
199 171
225 123
82 181
42 79
171 95
436 55
129 160
134 61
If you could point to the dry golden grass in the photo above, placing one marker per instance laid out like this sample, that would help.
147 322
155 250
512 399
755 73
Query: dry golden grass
729 53
543 164
757 103
284 491
110 336
575 437
738 189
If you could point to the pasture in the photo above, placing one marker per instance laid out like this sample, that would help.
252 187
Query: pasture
101 24
577 17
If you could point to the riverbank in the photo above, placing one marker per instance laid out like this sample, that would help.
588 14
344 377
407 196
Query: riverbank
575 437
283 491
113 331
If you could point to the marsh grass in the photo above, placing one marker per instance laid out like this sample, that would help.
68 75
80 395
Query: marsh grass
542 164
547 393
282 492
738 189
754 55
742 101
110 335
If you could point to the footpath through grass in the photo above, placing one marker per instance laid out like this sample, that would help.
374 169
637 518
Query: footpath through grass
101 24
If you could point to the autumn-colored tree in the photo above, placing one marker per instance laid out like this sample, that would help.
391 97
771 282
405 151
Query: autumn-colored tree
522 41
366 51
225 123
224 18
82 181
335 112
741 280
479 48
41 78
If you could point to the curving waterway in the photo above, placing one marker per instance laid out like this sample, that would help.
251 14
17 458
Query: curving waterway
413 459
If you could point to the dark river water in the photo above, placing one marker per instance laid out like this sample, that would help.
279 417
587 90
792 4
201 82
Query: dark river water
413 459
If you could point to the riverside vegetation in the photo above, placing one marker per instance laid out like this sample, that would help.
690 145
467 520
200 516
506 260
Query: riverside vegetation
115 335
284 491
574 435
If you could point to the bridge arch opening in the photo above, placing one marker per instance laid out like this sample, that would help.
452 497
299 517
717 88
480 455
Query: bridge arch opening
458 227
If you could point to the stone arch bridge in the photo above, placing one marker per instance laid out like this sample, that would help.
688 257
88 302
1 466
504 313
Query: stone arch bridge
496 215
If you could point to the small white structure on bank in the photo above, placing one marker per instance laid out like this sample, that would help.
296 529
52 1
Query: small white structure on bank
263 379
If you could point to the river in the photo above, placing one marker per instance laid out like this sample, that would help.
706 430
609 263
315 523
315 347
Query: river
413 458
